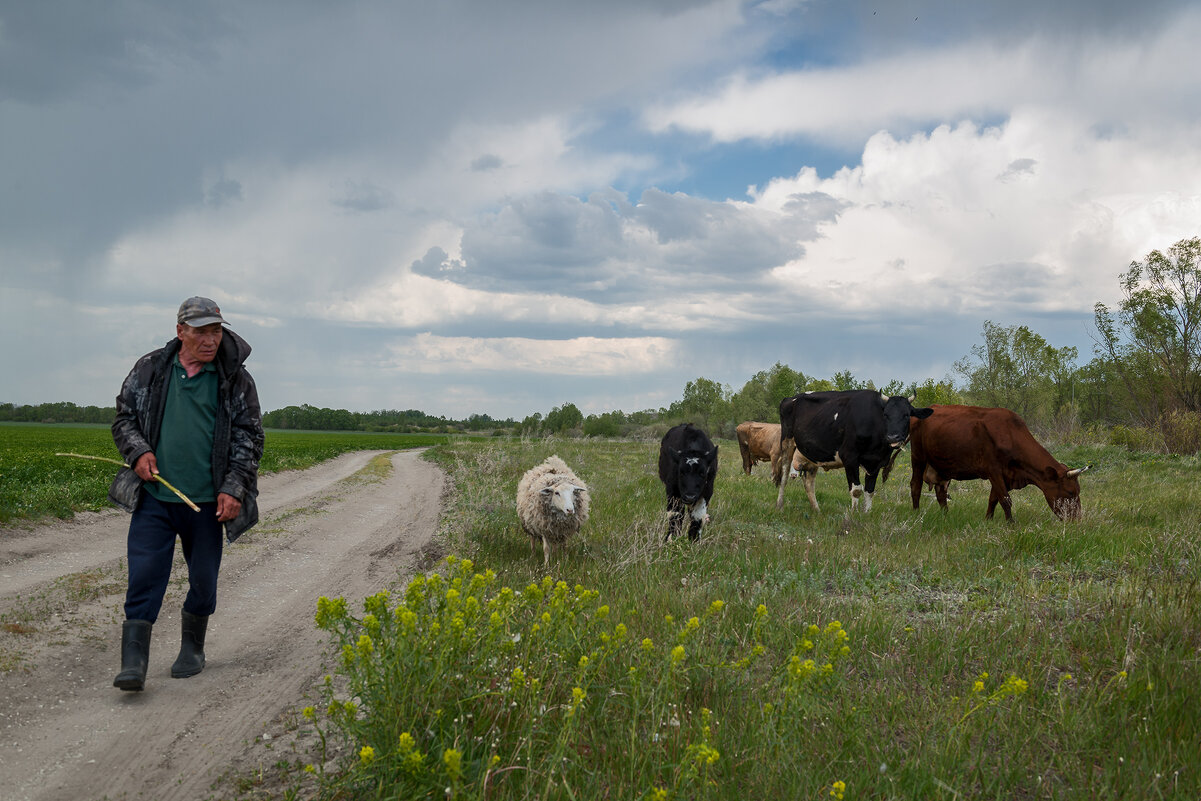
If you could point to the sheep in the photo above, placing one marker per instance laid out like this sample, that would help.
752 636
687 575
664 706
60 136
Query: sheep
551 504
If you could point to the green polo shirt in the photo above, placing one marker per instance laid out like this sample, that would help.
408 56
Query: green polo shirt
185 441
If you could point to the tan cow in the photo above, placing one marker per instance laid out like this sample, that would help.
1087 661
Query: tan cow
760 442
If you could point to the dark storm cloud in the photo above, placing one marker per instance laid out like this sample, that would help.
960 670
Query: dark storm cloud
606 249
222 192
488 161
364 197
51 50
880 28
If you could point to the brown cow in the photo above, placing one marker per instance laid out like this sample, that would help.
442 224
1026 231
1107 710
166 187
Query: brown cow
966 442
760 442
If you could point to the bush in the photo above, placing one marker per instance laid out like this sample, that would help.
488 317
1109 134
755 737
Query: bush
1181 431
1135 438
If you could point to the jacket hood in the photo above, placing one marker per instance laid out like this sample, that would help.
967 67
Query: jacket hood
234 351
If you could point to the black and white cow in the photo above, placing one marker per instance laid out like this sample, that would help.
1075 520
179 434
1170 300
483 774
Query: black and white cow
687 468
862 428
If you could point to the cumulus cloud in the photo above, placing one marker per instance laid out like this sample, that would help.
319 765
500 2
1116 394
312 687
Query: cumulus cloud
936 221
1109 79
363 196
610 250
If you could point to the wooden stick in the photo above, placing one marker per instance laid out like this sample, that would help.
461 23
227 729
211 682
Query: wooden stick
154 476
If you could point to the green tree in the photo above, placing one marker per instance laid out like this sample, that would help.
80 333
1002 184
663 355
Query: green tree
759 399
844 381
564 418
531 425
604 425
931 391
1154 342
707 404
1017 369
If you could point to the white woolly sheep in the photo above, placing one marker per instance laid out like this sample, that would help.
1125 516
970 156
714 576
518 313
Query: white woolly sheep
551 504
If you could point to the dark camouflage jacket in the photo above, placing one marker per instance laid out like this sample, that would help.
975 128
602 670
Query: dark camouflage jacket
237 437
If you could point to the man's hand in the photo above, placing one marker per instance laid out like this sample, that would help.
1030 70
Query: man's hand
146 466
228 507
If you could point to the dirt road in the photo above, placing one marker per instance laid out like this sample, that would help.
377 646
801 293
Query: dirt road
67 733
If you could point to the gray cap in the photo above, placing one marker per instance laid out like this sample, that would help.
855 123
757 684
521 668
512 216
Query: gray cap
198 311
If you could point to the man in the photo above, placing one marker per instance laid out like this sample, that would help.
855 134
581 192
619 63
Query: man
191 410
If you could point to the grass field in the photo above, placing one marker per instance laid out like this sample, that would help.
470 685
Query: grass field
34 483
789 654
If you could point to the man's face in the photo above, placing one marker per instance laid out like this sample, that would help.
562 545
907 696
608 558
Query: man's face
199 344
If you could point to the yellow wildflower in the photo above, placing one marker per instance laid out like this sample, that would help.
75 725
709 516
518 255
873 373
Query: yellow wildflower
453 759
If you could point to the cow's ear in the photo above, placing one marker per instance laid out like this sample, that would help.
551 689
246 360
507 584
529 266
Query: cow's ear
921 414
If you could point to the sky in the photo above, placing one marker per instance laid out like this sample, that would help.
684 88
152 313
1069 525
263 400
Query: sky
471 207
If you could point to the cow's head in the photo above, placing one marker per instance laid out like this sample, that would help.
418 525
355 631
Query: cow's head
693 469
562 496
1063 491
897 411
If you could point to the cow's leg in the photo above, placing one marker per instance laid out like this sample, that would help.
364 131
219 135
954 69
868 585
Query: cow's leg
940 492
1007 505
853 485
810 479
916 481
787 449
699 512
869 490
999 494
675 517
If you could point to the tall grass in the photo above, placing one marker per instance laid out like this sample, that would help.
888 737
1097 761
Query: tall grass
788 654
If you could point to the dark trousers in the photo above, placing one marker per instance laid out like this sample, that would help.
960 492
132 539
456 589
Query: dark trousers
152 531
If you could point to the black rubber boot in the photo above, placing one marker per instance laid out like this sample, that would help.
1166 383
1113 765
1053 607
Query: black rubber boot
135 654
191 646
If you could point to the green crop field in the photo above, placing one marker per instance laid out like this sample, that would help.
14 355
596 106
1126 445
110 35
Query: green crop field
35 483
788 654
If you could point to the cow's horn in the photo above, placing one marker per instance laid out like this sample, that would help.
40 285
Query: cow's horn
1078 471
